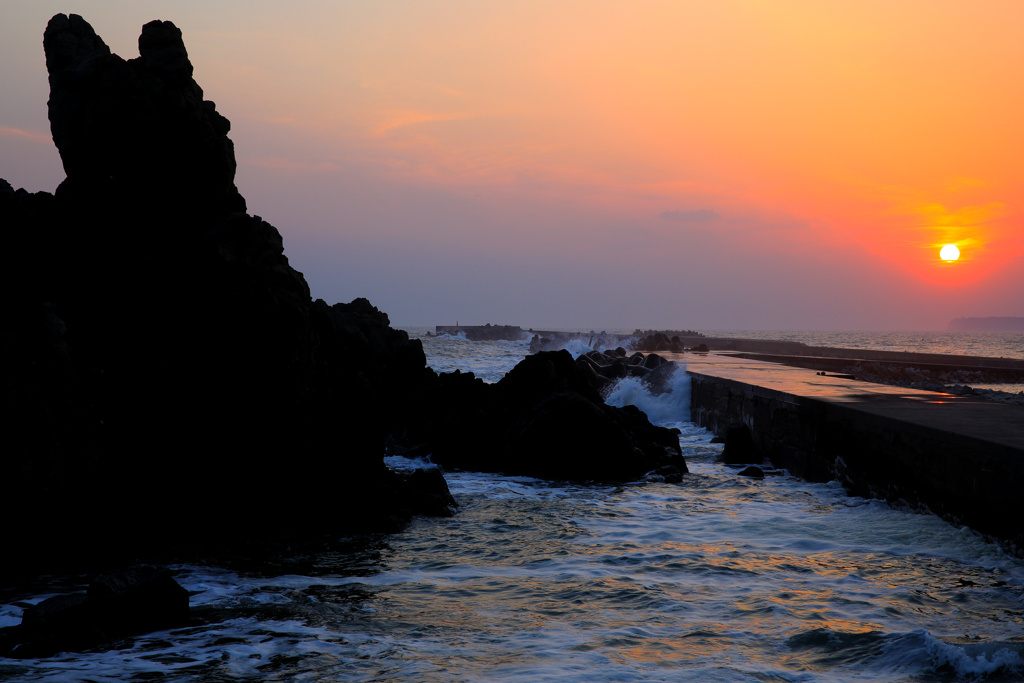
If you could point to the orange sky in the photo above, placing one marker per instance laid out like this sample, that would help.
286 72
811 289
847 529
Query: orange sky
799 164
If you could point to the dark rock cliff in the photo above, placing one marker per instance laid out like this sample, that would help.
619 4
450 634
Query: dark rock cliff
167 383
166 375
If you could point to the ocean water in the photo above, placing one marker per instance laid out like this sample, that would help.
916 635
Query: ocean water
720 578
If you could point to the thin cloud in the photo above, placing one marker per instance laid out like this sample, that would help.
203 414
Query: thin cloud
9 132
403 119
698 216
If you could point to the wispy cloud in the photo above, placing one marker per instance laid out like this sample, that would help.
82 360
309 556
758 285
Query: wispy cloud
697 216
939 215
402 119
7 131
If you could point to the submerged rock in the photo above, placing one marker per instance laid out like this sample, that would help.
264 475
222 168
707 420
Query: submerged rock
752 471
116 606
740 448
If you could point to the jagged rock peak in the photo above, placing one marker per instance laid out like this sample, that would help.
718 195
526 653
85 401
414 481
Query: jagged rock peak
70 39
162 48
137 132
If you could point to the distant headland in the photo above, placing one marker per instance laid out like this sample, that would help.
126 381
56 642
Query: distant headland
1004 324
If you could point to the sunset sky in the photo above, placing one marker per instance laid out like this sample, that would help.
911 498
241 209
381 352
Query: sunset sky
705 165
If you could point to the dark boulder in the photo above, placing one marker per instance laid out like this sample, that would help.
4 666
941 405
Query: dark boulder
667 474
659 341
546 419
740 448
591 372
566 436
602 370
428 493
652 361
540 375
637 371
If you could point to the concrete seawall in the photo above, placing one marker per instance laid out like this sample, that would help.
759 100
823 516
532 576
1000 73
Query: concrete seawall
962 458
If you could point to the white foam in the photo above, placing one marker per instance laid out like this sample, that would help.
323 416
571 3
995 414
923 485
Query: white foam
458 335
577 347
10 615
982 659
920 650
404 464
667 409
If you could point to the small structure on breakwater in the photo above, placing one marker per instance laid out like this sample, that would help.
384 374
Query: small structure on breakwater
486 332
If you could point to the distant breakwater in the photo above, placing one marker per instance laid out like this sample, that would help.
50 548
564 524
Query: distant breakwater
884 366
990 324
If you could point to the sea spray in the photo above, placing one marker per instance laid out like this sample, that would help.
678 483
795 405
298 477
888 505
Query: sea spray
667 409
489 360
578 347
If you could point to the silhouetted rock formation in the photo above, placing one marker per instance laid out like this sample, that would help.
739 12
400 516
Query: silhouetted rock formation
140 128
167 381
166 374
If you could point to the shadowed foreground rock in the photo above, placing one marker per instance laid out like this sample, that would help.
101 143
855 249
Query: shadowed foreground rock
116 606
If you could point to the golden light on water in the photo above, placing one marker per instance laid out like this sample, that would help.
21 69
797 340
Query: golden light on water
949 252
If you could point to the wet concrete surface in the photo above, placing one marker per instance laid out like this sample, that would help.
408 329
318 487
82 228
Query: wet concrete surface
964 415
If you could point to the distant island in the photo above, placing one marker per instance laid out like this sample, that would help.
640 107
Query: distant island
1006 324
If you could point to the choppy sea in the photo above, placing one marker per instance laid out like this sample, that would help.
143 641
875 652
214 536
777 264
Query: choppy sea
720 578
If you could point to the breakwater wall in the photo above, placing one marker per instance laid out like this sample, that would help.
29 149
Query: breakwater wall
963 460
986 369
484 332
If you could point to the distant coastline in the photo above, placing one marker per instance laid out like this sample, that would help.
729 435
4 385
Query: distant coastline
1004 324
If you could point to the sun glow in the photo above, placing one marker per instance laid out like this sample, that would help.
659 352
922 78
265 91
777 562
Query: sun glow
949 252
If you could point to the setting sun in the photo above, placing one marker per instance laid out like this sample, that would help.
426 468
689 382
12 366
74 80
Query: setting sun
949 252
